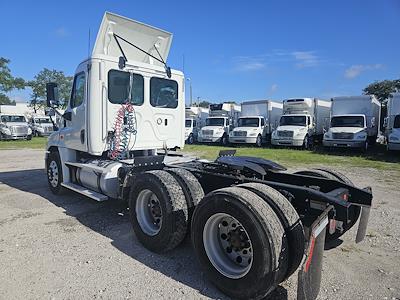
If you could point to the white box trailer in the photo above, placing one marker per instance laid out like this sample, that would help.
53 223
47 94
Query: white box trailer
354 122
257 121
302 122
223 118
13 123
195 119
392 123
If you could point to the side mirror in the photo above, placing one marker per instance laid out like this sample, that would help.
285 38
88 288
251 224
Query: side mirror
52 94
385 122
67 116
373 122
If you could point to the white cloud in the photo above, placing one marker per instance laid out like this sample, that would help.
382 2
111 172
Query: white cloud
305 59
247 63
274 88
61 32
356 70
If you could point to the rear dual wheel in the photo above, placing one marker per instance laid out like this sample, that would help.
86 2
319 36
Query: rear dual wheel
240 242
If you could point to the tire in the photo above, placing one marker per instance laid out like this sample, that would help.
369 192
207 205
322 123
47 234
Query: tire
306 143
54 172
289 219
191 188
224 140
158 210
28 137
366 147
259 141
260 231
190 139
354 211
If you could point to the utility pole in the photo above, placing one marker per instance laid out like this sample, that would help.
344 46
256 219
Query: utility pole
190 90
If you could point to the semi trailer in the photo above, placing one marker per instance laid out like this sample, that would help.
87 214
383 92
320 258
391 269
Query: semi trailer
195 119
392 123
252 223
13 124
302 123
257 121
354 122
223 118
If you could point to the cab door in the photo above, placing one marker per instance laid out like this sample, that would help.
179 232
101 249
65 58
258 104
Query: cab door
75 134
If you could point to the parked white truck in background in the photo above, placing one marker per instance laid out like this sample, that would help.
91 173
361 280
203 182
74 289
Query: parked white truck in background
13 124
302 122
41 125
223 118
257 121
195 120
392 123
354 122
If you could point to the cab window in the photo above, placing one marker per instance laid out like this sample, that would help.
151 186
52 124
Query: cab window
120 85
163 93
194 123
78 90
308 121
262 122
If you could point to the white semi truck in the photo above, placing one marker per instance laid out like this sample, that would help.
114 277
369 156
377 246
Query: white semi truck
195 119
223 118
41 125
257 121
354 122
302 123
252 224
13 124
392 123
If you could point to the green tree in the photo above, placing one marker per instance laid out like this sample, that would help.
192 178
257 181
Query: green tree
204 104
382 90
38 85
8 82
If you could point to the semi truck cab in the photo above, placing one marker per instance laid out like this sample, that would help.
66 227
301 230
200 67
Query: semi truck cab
349 130
14 127
293 130
393 142
191 130
41 126
216 130
250 130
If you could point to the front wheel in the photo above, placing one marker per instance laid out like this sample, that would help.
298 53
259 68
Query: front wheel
306 143
54 172
224 140
259 141
190 139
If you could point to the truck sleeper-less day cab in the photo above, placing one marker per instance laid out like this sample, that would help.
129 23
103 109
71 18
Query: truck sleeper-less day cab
257 121
195 120
354 122
13 126
41 125
392 123
223 118
302 123
251 223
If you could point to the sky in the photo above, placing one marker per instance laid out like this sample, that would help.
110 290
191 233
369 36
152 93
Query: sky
231 50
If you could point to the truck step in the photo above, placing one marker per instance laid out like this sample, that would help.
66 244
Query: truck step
84 191
83 166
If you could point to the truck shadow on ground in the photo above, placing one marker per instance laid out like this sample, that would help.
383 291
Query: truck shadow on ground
111 219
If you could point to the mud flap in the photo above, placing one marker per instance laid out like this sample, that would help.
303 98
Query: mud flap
309 277
362 225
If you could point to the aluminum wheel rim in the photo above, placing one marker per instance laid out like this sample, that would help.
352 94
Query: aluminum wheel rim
52 173
148 212
227 245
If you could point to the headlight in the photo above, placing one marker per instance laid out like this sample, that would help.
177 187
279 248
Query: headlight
274 133
362 136
30 130
327 135
253 134
6 131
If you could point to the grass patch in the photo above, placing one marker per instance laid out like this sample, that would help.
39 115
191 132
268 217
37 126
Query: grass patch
292 157
34 143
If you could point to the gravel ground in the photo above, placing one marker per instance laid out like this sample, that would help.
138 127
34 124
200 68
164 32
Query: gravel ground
72 247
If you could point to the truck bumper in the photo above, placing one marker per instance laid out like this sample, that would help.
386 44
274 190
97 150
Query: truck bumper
14 137
394 146
243 140
287 142
343 143
209 139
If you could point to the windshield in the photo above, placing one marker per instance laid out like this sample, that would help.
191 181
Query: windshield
215 122
396 122
188 123
348 121
293 120
42 120
13 119
248 122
